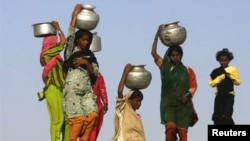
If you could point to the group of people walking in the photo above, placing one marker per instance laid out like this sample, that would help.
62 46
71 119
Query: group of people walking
77 99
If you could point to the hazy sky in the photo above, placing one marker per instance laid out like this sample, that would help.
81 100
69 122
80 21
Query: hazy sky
127 29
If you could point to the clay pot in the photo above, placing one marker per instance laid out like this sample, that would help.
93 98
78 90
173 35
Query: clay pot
173 34
138 78
87 19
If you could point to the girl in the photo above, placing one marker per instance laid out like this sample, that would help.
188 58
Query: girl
81 68
128 124
224 78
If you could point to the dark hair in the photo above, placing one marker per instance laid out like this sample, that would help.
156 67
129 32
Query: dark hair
224 52
136 94
82 32
176 48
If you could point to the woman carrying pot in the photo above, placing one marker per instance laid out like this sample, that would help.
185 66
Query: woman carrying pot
53 79
81 68
178 87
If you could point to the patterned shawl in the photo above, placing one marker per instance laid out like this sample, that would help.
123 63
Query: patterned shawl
48 43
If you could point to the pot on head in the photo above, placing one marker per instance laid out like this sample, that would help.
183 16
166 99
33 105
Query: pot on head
43 29
87 19
173 34
138 78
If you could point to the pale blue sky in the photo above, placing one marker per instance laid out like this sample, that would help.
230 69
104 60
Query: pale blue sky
127 29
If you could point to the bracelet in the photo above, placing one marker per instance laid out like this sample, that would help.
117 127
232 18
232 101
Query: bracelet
188 95
59 32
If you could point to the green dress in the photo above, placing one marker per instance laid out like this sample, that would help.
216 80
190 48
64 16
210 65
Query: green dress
175 83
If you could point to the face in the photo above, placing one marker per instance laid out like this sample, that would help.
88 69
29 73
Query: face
82 42
136 103
175 57
224 61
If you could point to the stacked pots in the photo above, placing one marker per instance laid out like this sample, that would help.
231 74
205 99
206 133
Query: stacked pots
138 78
88 19
173 34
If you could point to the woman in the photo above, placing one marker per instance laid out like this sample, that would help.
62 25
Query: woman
81 68
178 87
53 79
100 91
224 78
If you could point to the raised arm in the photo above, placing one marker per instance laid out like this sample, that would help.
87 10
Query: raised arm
126 70
157 58
71 32
77 10
60 32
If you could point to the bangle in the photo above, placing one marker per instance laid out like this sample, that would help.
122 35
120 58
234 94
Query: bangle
59 32
188 95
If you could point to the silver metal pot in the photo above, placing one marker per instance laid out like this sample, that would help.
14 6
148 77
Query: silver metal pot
43 29
96 43
173 34
138 78
87 19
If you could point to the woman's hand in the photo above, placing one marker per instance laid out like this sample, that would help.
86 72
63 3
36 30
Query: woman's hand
80 61
78 9
183 99
105 108
55 24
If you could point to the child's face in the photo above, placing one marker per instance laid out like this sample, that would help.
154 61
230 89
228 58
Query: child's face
224 61
83 42
136 103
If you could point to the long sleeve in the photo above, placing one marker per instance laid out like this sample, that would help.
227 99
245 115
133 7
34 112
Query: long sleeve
234 75
100 89
103 90
70 42
217 80
192 81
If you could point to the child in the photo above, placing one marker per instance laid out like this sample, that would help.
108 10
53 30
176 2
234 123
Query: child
128 124
81 68
224 78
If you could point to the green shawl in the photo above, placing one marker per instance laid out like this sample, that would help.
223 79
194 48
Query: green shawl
175 83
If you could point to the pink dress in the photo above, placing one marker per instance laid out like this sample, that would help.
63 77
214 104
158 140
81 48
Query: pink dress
100 90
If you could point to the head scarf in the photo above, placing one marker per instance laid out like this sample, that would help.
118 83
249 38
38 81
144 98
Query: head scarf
48 43
128 95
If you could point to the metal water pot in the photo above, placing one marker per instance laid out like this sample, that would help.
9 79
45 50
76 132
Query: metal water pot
138 78
87 19
96 45
43 29
173 34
